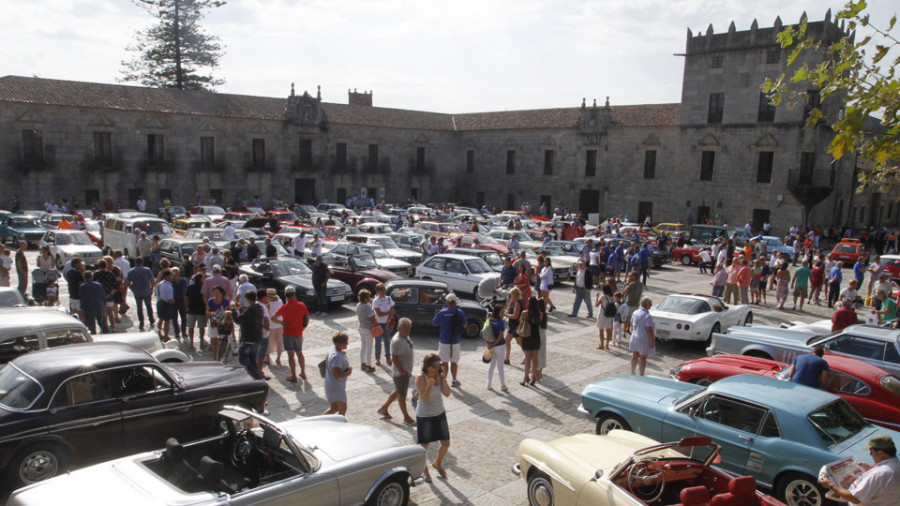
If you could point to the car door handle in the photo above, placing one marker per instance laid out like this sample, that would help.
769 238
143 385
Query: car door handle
746 438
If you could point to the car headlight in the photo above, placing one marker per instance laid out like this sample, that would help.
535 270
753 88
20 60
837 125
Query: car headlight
311 292
675 372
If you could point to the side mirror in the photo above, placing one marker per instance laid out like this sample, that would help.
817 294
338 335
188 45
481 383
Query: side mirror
598 474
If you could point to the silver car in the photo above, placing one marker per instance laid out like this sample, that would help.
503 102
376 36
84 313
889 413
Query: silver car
314 460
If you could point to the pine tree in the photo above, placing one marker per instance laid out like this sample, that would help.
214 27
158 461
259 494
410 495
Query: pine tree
171 53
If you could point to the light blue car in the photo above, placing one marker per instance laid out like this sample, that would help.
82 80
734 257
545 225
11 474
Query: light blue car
18 227
780 432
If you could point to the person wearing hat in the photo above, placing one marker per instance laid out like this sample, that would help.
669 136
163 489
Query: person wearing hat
880 484
451 320
276 331
320 275
217 279
294 317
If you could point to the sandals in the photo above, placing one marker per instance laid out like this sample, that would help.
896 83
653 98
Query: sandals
292 379
440 470
384 414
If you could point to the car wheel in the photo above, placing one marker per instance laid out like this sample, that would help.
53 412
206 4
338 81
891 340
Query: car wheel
716 328
608 421
703 382
540 490
59 262
797 489
685 260
758 354
473 328
366 287
392 492
749 318
36 463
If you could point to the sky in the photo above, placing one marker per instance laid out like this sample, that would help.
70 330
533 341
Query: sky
444 56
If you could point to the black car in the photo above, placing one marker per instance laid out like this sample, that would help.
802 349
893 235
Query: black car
419 300
75 405
173 249
279 273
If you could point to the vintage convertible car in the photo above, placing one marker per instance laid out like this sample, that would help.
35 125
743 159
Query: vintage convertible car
695 317
419 300
73 405
623 467
779 432
878 346
312 460
874 392
279 273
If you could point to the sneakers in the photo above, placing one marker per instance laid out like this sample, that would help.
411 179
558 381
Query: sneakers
455 383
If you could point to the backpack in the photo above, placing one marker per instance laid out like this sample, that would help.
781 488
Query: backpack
609 309
487 332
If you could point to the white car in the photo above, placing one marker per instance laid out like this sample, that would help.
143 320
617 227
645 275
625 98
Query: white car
462 273
344 250
695 317
65 244
525 240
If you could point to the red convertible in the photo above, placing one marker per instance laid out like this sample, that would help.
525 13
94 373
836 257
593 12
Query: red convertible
687 255
874 392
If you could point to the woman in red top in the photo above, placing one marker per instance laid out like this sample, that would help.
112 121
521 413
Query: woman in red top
816 280
523 282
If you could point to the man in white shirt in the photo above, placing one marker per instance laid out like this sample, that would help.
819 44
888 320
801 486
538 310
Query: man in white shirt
316 249
705 261
300 244
229 231
141 204
244 287
880 484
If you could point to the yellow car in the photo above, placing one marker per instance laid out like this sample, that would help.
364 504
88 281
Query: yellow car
670 228
182 225
625 468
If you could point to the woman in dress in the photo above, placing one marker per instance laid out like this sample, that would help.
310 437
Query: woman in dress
643 337
513 312
276 331
782 280
431 419
337 368
215 313
522 282
365 314
531 343
546 278
605 323
45 260
542 335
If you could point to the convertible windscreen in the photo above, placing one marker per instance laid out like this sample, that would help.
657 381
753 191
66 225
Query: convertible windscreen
683 306
289 268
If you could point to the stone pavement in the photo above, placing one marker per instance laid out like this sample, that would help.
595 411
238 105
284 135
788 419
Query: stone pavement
486 426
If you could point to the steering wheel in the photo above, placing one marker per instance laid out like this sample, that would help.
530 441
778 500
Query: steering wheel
646 480
241 450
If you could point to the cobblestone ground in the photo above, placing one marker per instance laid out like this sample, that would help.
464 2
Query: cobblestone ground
486 426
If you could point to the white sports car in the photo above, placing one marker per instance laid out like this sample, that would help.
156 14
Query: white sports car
695 317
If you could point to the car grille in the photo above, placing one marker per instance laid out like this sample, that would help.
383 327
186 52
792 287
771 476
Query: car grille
334 291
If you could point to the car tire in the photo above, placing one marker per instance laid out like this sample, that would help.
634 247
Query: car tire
609 421
473 328
391 492
796 489
686 259
749 318
716 328
540 490
36 463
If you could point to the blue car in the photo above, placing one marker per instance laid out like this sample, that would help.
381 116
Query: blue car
19 227
780 432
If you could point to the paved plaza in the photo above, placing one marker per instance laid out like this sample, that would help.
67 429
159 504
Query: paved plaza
486 426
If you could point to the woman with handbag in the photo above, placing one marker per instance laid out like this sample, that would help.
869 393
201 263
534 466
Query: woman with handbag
513 312
605 316
368 328
531 340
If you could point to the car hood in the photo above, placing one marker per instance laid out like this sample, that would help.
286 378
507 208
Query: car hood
641 388
206 373
305 282
599 452
379 274
402 253
335 440
392 263
740 364
853 446
77 249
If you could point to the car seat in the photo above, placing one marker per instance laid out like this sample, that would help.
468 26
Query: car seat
741 492
694 496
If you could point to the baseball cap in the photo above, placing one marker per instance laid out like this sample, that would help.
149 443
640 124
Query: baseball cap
217 267
452 299
290 290
880 442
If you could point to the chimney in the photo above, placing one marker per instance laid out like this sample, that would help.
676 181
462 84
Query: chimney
356 98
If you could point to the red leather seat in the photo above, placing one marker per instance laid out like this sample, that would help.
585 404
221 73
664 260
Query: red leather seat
741 492
694 496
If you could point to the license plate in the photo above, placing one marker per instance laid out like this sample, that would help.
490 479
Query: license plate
337 298
662 333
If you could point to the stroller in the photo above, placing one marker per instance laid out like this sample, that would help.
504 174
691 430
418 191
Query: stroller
40 280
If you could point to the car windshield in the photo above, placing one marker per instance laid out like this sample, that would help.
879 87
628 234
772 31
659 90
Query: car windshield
10 298
24 222
836 422
289 268
375 251
364 262
17 389
492 258
477 266
214 234
76 238
211 210
486 239
682 305
698 452
385 242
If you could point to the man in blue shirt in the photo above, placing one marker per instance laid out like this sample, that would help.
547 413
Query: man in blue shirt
834 283
646 256
452 321
140 279
508 273
808 369
859 271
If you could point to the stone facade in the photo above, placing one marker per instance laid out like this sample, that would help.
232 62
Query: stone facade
719 153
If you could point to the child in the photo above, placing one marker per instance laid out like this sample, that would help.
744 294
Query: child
5 265
53 293
618 319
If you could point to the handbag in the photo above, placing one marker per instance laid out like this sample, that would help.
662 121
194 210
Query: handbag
524 329
377 331
322 368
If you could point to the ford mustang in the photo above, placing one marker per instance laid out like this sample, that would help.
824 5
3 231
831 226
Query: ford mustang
695 317
622 467
779 432
312 460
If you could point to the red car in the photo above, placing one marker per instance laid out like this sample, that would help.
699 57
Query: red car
484 242
874 392
687 255
848 251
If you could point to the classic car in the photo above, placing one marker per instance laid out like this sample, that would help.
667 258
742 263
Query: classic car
20 227
211 233
525 240
462 273
878 346
780 432
374 226
65 244
569 248
484 242
361 273
492 258
27 329
310 460
283 216
10 297
695 317
408 240
174 248
874 392
891 266
420 300
52 220
182 225
623 467
673 229
689 254
773 244
848 251
69 406
175 212
391 247
279 273
345 249
214 213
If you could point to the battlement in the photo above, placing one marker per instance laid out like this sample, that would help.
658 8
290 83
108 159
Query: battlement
755 37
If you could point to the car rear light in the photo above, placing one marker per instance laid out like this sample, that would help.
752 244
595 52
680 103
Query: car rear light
687 327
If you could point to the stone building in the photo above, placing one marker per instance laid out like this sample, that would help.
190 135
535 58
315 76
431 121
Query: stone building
722 153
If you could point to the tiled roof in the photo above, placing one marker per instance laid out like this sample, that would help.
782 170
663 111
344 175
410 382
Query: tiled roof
204 103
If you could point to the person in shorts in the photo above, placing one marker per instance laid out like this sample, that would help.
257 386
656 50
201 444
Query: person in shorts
431 418
294 318
450 335
402 353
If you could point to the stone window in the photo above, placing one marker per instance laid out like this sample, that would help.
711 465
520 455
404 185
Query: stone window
33 146
716 107
165 195
373 157
103 147
510 200
510 161
764 167
155 149
813 101
207 152
305 158
807 164
707 162
470 161
92 197
766 109
773 55
650 164
645 210
549 155
590 163
420 158
717 61
340 156
259 153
